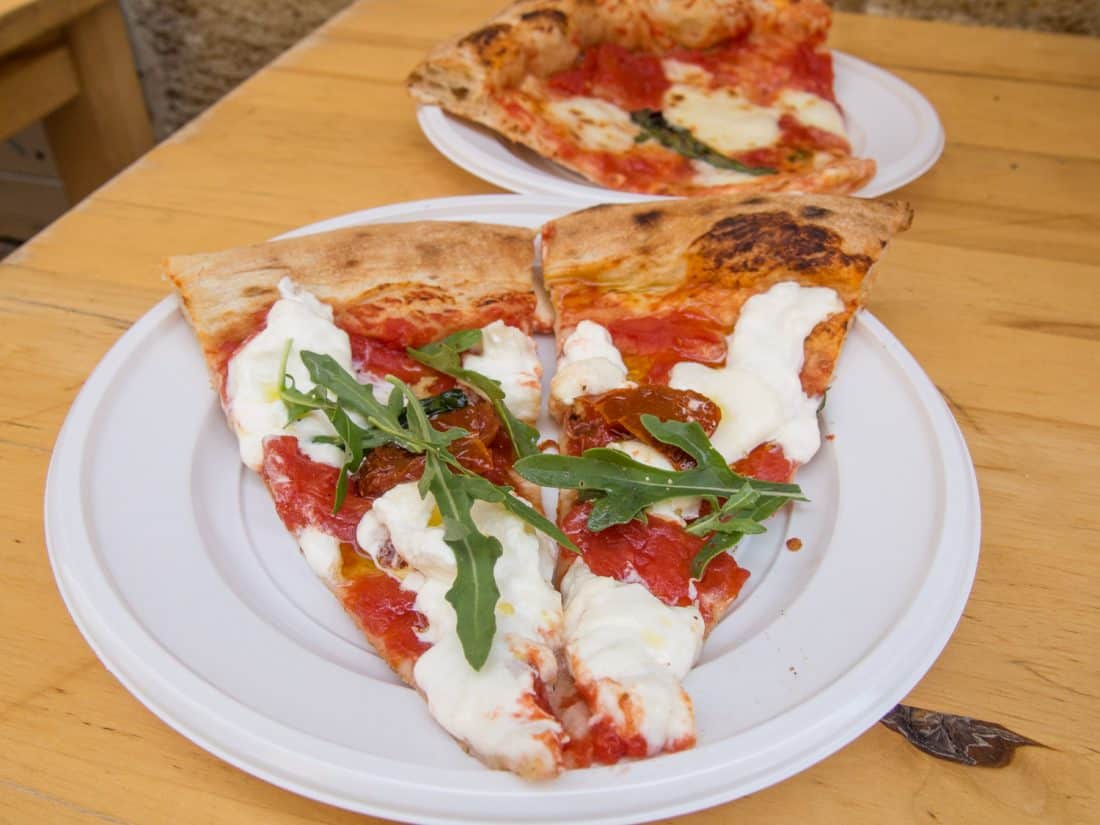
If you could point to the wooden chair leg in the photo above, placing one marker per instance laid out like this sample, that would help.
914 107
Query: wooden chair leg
105 127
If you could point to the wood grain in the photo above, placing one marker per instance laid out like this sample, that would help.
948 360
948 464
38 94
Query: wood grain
994 291
33 85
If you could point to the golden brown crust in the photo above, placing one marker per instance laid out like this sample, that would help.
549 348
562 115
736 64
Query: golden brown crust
494 76
408 282
709 255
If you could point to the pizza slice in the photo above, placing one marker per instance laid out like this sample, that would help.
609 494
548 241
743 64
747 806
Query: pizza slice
696 341
670 98
382 380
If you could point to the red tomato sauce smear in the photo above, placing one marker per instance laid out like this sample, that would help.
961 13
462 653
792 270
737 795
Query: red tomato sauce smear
631 80
659 552
652 345
382 358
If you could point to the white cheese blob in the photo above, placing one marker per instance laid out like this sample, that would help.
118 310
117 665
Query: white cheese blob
721 118
811 110
590 363
680 509
707 175
595 124
678 71
252 377
759 390
322 553
491 709
509 356
633 650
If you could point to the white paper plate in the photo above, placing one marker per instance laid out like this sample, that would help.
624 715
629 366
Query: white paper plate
888 120
179 574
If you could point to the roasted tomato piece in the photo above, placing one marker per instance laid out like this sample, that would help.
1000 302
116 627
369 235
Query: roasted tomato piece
384 468
598 420
478 418
624 408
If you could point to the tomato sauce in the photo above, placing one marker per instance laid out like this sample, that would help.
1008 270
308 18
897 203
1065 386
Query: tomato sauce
382 358
659 552
631 80
303 490
384 611
797 135
766 463
761 65
651 346
644 163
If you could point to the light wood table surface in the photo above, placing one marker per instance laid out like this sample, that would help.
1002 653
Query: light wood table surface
995 290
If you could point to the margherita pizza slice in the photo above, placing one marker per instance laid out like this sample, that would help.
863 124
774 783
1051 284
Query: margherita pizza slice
670 98
695 337
392 466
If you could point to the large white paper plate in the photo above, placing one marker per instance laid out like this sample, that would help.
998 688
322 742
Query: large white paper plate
176 569
888 120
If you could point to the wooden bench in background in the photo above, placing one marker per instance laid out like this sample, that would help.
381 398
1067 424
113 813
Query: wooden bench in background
68 63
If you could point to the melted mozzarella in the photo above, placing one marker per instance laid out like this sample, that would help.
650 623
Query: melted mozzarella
252 378
509 356
674 509
811 110
721 118
707 175
678 71
595 124
322 553
632 650
491 709
590 363
758 390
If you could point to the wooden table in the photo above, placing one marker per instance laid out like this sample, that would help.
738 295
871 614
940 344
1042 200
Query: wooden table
996 290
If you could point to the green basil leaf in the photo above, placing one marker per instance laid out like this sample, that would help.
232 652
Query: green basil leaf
683 142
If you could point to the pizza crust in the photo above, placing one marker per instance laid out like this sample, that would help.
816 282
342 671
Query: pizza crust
709 255
409 283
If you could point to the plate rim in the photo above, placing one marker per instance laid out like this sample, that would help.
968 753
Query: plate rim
101 636
522 178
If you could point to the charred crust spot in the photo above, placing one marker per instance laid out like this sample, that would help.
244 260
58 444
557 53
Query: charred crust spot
554 16
351 263
649 218
256 291
755 201
815 212
483 38
764 241
460 92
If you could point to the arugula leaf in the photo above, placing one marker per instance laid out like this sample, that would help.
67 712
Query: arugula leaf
622 488
362 423
445 356
716 545
682 141
474 593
